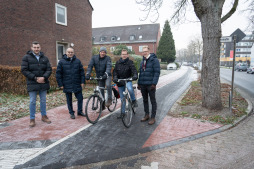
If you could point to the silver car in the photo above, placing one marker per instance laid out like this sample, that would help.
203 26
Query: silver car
241 67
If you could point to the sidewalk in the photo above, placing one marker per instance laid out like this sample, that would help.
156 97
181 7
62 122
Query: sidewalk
19 143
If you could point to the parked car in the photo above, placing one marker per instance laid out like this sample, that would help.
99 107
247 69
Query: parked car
171 66
241 67
250 69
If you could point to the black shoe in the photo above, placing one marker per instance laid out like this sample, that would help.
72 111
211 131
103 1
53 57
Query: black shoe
81 114
72 116
135 103
121 116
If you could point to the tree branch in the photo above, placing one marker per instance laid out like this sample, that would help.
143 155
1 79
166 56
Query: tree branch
233 9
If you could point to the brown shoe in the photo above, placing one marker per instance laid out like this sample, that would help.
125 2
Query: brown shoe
145 118
45 119
32 123
152 121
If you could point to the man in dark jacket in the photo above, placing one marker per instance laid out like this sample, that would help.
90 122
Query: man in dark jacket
125 69
37 69
148 79
70 77
103 65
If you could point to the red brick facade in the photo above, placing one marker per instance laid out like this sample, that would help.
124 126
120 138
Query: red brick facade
23 22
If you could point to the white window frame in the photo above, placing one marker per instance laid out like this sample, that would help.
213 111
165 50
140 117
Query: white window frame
112 49
140 48
132 37
65 12
130 48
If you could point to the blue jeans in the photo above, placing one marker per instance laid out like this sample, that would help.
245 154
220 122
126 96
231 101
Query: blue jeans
131 92
32 106
79 97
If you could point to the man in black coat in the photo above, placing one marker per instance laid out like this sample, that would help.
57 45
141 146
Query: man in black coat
70 77
103 65
36 68
125 69
148 78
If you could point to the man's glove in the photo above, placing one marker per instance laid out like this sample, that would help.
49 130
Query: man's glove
153 87
134 78
104 77
139 87
87 77
115 80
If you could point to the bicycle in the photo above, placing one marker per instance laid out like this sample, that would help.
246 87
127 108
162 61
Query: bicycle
95 101
129 107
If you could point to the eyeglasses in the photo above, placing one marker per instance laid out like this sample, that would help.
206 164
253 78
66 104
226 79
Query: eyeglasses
145 51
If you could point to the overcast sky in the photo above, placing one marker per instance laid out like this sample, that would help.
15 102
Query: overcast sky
108 13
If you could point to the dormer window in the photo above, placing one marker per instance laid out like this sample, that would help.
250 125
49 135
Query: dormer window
113 38
132 37
103 38
118 38
140 37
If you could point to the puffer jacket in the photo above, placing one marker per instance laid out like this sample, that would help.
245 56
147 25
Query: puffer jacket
101 65
151 73
124 69
70 74
32 68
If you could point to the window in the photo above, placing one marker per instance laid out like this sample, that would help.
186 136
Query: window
140 37
129 47
61 14
238 49
112 49
103 38
118 38
132 37
113 38
140 48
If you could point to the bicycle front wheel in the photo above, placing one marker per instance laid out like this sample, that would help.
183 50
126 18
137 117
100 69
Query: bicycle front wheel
112 107
127 119
93 108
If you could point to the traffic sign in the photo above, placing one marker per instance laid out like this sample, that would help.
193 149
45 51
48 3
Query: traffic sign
225 39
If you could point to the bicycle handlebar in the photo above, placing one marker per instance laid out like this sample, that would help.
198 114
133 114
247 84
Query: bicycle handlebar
128 79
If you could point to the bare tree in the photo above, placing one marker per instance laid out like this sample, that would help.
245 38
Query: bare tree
209 13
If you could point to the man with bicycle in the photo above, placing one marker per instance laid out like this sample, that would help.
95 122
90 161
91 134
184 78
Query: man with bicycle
103 65
125 69
148 79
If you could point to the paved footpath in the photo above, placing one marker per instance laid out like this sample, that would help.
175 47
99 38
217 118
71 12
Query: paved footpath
19 143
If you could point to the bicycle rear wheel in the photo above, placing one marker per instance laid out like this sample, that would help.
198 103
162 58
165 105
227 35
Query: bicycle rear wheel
127 119
112 107
93 108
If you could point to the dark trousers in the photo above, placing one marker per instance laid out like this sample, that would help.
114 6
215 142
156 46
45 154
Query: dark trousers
145 90
79 97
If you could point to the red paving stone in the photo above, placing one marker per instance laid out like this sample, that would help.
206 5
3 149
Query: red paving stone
175 128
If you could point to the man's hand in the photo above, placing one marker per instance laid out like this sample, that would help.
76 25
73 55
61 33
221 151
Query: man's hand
115 80
83 85
62 87
87 77
153 87
40 80
134 78
104 77
139 87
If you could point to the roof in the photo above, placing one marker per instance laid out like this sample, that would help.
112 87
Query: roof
121 34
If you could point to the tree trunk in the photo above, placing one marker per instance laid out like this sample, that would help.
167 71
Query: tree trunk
209 13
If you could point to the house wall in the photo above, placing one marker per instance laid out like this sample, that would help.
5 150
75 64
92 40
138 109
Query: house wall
23 22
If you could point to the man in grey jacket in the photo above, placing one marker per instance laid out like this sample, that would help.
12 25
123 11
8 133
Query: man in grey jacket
103 65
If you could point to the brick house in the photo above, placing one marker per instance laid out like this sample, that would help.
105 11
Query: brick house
56 24
133 36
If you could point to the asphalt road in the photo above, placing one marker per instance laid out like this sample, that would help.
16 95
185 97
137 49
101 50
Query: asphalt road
242 80
109 139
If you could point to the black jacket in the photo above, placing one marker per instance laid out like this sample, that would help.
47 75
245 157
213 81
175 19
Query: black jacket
150 75
32 68
124 69
101 65
70 74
